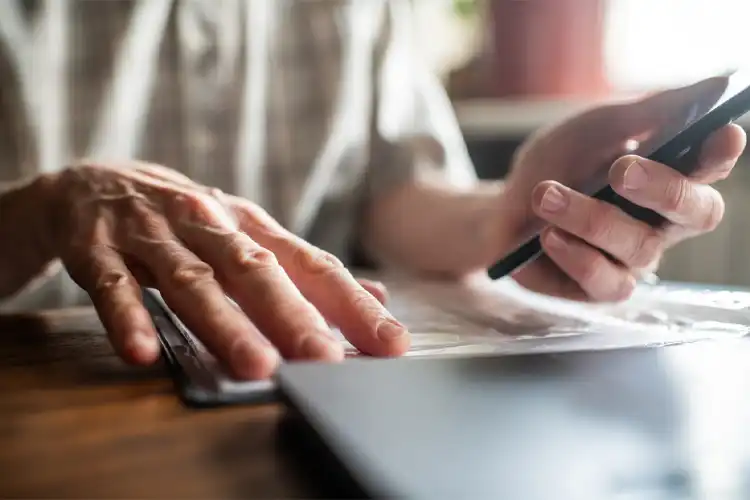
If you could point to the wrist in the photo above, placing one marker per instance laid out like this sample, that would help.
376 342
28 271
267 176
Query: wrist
436 228
516 223
490 209
37 200
26 209
473 226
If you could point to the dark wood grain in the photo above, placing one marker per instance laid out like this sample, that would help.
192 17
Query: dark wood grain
77 422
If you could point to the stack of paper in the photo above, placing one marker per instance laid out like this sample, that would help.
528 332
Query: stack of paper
485 317
501 316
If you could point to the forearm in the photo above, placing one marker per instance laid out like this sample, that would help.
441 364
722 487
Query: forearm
24 251
431 227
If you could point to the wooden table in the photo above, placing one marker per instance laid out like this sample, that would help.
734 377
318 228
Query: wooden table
77 422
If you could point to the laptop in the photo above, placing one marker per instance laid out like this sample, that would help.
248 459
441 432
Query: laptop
642 423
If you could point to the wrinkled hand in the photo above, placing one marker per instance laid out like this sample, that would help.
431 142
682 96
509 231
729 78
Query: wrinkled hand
119 228
593 250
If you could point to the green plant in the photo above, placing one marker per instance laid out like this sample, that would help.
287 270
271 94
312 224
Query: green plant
465 8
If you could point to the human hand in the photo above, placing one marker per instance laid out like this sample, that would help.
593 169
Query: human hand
593 250
117 228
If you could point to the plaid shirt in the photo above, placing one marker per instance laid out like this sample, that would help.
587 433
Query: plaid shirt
306 107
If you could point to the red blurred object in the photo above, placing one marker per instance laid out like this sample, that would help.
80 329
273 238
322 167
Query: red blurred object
548 48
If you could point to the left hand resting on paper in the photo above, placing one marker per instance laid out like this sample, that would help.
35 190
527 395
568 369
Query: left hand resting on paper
580 230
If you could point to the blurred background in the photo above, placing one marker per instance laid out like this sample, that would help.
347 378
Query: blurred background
512 66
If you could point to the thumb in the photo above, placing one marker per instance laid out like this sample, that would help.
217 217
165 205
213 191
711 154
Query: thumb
668 110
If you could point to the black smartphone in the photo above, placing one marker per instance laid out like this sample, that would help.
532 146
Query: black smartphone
677 145
199 380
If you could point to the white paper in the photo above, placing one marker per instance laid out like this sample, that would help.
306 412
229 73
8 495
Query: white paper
501 317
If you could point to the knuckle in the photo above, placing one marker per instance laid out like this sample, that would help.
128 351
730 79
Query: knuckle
252 211
316 261
249 257
196 201
591 271
205 209
714 214
646 248
597 226
364 301
111 281
676 195
193 204
368 307
360 299
191 275
136 203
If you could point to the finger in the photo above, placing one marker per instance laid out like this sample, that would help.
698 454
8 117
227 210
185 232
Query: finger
190 290
697 207
376 289
544 276
719 154
360 316
363 320
598 276
116 296
600 224
260 286
321 277
255 280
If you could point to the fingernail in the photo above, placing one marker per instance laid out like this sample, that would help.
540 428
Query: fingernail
316 347
554 200
388 330
635 176
555 241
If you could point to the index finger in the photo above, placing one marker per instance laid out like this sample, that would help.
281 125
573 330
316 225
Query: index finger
323 279
719 154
